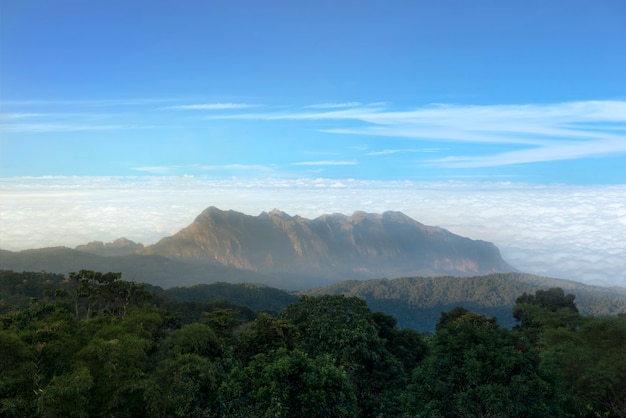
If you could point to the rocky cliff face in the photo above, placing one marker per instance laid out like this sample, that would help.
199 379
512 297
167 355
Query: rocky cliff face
331 246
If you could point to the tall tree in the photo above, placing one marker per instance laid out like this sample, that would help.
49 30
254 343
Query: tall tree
287 383
550 308
345 329
477 369
592 364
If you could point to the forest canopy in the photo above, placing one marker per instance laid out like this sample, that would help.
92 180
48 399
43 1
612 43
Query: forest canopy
106 347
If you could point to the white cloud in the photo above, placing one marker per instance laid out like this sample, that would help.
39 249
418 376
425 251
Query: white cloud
58 127
548 132
332 105
408 150
239 167
572 232
550 152
13 116
212 106
326 162
343 114
172 169
157 169
86 102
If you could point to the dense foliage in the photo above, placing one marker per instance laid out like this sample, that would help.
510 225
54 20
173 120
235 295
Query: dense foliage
416 302
105 347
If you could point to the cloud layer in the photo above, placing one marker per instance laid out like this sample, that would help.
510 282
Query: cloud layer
572 232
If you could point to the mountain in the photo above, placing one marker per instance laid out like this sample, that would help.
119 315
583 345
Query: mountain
122 246
328 248
417 302
288 252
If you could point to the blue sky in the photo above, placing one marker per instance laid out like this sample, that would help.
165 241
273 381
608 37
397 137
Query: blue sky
523 91
301 99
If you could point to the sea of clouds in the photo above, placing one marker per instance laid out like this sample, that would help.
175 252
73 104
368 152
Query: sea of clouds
562 231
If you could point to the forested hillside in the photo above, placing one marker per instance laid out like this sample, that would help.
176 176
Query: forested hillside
417 302
110 348
256 297
19 290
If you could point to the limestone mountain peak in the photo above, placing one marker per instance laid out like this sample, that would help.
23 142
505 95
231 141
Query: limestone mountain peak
337 246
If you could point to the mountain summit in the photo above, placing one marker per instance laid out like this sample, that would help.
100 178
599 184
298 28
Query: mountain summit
329 247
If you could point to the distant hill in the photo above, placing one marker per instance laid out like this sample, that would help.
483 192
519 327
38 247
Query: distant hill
328 248
17 289
151 269
258 298
417 302
122 246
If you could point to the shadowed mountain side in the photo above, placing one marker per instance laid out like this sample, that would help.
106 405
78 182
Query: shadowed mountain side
155 270
329 248
417 302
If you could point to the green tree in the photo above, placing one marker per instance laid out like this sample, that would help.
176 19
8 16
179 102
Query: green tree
345 329
592 364
265 334
546 309
337 325
290 384
196 339
406 345
552 299
104 293
222 320
66 395
17 376
477 369
186 385
45 339
119 363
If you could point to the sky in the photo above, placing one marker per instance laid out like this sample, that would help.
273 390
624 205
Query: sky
502 121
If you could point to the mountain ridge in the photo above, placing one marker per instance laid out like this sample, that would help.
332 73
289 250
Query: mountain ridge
417 302
277 249
361 245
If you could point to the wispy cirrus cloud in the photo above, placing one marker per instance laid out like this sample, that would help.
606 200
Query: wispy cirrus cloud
212 106
236 167
332 105
159 169
324 162
68 127
405 150
548 152
199 168
513 133
356 113
50 116
540 132
86 102
15 116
